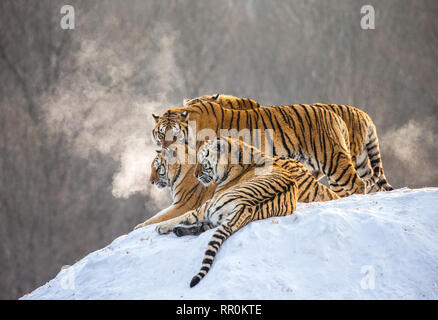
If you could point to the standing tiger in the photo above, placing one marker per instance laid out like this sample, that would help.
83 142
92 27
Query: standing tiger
188 193
244 193
312 135
364 143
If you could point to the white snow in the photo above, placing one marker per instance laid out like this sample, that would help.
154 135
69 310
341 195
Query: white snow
378 246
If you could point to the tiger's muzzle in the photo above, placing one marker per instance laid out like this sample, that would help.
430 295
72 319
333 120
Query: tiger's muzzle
203 176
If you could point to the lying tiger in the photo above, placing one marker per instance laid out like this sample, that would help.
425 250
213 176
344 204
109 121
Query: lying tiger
312 135
188 193
245 192
364 143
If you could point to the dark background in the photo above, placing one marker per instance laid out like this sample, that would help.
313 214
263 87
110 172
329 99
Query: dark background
75 105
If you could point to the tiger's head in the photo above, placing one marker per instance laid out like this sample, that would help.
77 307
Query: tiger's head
168 164
211 167
225 158
159 171
170 127
173 125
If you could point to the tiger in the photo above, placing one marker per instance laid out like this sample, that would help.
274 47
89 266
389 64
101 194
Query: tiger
312 135
364 143
187 192
244 193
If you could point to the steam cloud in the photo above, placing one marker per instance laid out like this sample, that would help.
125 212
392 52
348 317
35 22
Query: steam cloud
414 146
100 108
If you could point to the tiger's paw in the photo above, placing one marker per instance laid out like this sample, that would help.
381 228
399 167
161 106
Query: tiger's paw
164 228
191 230
180 231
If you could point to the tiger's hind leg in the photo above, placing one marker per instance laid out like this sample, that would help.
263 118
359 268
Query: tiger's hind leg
384 184
343 177
373 150
381 185
365 172
310 190
363 166
375 182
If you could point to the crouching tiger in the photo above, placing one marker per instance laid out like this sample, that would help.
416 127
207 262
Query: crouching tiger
246 191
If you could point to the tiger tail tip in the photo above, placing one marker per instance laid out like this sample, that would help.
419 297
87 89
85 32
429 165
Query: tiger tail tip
195 281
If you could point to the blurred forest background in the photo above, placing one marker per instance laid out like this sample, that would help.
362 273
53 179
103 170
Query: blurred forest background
75 105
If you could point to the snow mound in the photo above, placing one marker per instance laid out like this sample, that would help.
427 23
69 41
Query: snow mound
378 246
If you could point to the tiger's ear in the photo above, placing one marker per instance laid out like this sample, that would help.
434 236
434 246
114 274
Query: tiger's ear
185 114
186 102
156 117
215 97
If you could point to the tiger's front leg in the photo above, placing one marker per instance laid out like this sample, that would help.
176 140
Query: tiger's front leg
195 223
167 226
191 218
164 215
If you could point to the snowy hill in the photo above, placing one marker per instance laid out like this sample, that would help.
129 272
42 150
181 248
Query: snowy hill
379 246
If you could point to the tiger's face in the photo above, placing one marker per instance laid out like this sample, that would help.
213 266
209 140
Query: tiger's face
170 127
209 169
159 172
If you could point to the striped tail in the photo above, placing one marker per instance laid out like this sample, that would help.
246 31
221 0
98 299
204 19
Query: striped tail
218 238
